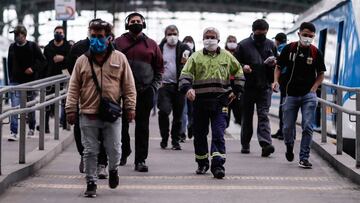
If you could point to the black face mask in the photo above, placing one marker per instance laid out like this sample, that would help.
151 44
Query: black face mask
135 28
259 38
58 37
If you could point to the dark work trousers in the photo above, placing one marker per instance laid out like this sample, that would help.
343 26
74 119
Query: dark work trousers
170 99
144 104
125 137
262 99
205 112
235 106
190 107
102 157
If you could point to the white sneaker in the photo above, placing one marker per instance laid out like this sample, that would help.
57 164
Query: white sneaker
31 133
12 137
101 172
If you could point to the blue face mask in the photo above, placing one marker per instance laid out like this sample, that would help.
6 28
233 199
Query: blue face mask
97 45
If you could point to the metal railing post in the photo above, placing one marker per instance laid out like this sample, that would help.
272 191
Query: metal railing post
323 115
23 99
339 135
1 124
357 132
56 116
42 120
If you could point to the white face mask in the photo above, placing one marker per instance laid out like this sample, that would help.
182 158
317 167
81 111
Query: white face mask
172 40
210 44
231 45
306 41
191 45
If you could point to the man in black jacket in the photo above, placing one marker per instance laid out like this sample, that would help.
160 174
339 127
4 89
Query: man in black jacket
175 54
25 64
257 55
56 52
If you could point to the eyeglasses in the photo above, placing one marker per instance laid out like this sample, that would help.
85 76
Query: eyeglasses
171 34
209 37
99 36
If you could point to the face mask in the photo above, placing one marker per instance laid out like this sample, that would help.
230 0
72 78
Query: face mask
58 37
191 45
259 38
210 44
97 45
231 45
172 40
306 41
135 28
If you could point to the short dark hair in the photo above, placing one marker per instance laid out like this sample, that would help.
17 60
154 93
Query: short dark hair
101 25
171 27
59 27
281 37
307 25
260 24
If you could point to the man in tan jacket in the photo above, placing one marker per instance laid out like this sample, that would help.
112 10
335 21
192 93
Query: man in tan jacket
115 78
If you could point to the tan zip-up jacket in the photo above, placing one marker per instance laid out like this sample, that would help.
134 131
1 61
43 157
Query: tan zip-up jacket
117 81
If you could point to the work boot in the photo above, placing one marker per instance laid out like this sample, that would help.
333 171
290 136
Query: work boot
113 179
90 189
202 169
267 150
218 173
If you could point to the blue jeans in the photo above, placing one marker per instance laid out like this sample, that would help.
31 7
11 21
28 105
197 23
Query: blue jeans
307 104
15 101
90 132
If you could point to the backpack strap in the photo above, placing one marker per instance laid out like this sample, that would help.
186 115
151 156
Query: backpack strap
313 52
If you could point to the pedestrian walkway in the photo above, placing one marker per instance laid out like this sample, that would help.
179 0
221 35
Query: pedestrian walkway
171 178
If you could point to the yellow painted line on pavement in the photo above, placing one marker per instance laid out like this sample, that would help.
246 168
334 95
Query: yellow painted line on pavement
188 187
201 177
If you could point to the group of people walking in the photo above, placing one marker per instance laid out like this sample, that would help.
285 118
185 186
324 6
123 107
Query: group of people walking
202 86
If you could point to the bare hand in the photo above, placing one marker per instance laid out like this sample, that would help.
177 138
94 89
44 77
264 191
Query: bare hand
247 69
130 115
58 58
190 94
275 86
29 71
231 97
71 118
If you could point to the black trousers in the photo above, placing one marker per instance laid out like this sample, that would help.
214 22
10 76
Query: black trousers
235 106
102 157
262 99
170 99
144 104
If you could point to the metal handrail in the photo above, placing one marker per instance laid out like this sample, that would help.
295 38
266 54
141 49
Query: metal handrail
30 106
339 110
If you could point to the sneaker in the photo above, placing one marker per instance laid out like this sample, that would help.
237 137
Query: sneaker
182 137
176 147
113 179
289 154
81 165
190 132
90 189
12 137
202 169
219 173
267 150
141 167
163 144
31 133
305 164
245 150
276 135
101 172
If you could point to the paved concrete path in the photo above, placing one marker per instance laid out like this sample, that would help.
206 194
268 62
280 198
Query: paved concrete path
171 178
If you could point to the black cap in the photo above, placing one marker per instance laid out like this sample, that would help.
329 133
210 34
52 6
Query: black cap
19 29
281 37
